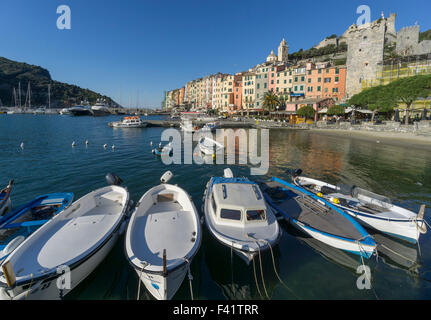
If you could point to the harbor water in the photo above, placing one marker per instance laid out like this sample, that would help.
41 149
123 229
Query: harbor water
309 269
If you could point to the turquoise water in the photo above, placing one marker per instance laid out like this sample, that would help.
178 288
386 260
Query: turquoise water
48 163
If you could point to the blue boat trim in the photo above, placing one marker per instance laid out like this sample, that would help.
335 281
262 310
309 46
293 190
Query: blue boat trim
26 228
367 239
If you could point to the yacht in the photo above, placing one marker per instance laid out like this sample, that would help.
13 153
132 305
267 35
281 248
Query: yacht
40 110
81 110
65 111
100 109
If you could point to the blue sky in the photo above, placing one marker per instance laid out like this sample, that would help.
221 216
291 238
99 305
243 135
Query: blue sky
141 48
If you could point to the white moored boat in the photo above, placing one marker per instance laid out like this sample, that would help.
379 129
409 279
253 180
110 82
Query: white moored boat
370 209
237 215
209 146
187 126
163 236
129 122
64 251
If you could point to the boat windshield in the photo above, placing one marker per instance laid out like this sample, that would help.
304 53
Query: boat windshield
256 215
376 198
230 214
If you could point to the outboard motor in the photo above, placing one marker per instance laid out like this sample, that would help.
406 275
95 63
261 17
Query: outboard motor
113 179
346 189
297 173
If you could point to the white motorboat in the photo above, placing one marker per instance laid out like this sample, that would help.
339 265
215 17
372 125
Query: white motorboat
187 126
163 236
65 111
64 251
129 122
39 111
209 146
209 127
100 109
161 150
370 209
237 215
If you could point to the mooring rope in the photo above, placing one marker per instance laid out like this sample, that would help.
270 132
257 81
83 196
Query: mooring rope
361 249
275 269
190 278
144 264
255 279
29 288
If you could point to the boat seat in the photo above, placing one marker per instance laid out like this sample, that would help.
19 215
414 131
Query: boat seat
167 197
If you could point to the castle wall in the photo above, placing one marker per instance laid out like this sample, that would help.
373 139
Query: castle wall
407 40
365 52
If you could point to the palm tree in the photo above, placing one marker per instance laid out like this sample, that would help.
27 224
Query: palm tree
270 101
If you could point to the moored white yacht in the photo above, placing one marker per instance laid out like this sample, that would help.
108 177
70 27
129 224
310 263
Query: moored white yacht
100 109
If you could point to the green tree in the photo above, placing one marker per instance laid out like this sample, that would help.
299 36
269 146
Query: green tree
376 99
270 101
306 112
336 111
408 90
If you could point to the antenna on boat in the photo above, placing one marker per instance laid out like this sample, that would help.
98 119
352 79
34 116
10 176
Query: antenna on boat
167 176
113 179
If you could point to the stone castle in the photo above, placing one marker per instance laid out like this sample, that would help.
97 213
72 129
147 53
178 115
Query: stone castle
366 48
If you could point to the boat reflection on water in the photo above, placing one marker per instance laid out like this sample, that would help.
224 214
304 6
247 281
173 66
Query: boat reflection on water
392 252
237 280
396 253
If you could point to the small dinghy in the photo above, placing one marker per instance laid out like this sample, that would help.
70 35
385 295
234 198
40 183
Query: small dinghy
370 209
5 202
236 215
64 251
209 146
166 150
17 225
318 217
163 236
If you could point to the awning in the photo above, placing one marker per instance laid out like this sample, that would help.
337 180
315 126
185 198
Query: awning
324 110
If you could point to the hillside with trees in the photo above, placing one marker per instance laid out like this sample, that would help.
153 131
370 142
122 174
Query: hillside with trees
13 73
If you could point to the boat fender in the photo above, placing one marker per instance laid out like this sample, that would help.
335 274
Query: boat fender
320 195
166 177
13 245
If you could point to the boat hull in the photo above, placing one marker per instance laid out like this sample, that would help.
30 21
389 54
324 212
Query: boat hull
407 229
160 287
47 289
6 207
100 113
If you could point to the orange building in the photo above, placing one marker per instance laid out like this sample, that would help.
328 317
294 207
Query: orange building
323 81
237 91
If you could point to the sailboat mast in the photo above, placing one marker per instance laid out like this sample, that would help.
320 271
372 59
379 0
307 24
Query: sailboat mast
19 94
14 97
29 95
49 96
